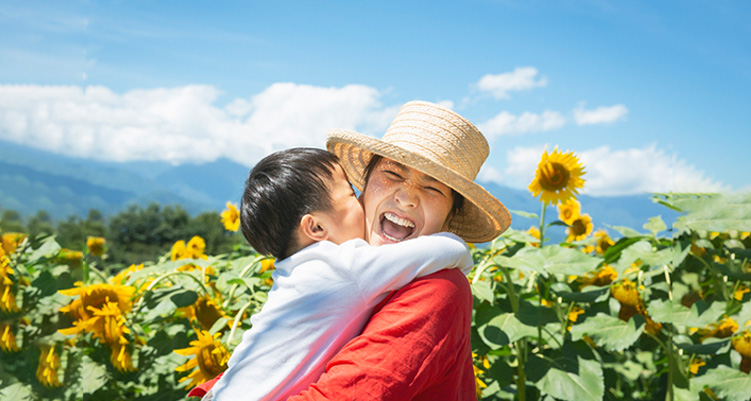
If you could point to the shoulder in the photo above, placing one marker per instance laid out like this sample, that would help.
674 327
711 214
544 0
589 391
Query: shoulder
447 290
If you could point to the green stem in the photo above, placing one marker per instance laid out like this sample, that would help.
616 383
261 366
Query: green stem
671 368
510 290
242 274
542 223
521 382
719 283
238 316
160 278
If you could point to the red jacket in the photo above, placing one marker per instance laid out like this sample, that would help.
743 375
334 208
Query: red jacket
416 346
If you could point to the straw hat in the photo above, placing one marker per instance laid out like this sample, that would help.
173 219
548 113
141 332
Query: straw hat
437 142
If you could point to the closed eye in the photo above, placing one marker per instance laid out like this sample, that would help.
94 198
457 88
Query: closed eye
393 174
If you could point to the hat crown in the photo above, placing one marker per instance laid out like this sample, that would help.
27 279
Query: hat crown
439 135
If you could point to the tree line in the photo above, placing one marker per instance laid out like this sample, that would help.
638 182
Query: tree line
136 234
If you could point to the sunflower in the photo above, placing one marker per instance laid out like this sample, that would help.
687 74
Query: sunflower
535 232
603 241
558 177
96 309
210 358
121 359
626 293
194 249
580 228
205 311
95 245
722 329
231 217
742 344
569 210
7 289
72 258
740 291
603 276
11 241
8 339
178 251
49 363
124 274
573 315
479 384
695 365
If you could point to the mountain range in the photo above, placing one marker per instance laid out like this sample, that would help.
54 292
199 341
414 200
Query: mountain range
33 180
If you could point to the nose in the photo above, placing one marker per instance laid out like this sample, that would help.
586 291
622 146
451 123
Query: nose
407 195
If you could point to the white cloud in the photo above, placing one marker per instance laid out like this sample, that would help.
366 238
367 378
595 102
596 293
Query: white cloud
522 78
489 174
618 172
183 124
600 115
506 123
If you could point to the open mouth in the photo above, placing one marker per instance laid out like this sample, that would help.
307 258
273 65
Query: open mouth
395 228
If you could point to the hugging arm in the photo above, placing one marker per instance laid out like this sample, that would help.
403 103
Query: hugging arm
416 347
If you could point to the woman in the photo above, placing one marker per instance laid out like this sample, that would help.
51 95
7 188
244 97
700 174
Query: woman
417 180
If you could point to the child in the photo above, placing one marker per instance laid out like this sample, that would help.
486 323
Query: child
299 207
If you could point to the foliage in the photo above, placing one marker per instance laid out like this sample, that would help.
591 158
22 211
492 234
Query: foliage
657 313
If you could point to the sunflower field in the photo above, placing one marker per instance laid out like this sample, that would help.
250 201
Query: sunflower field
617 313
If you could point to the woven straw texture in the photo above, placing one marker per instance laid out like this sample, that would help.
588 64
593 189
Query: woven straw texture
440 143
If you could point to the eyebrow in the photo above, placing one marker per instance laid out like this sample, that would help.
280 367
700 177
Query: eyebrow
403 167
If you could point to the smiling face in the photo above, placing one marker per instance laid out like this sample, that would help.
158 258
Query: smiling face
402 203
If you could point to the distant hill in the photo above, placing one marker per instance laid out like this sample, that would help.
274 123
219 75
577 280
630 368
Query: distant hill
33 180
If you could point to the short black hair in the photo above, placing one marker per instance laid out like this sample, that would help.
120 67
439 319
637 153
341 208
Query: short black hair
457 199
279 191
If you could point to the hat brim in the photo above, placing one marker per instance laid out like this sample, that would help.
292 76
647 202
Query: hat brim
482 217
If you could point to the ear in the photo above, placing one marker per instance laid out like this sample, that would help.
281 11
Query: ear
312 228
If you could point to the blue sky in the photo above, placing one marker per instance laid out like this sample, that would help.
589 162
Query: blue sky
653 96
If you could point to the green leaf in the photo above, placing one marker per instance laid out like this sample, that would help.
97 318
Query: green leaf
727 383
699 315
553 259
706 348
570 378
655 225
94 374
722 213
504 329
528 259
520 237
482 291
533 315
588 294
49 249
609 332
184 298
568 261
16 391
614 252
626 231
672 256
525 214
634 252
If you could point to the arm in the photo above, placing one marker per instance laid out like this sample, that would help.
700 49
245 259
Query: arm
418 343
378 270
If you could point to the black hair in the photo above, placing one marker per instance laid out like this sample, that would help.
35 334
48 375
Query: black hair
279 191
457 198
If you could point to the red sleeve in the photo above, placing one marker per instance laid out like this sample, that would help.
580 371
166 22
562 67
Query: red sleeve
417 346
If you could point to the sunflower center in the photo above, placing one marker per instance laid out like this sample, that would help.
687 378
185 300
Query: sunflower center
578 227
554 177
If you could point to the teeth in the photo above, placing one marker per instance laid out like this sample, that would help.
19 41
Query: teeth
390 238
398 220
